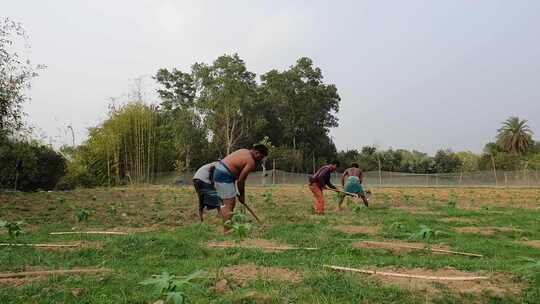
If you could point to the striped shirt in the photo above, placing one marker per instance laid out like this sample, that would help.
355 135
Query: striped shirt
322 177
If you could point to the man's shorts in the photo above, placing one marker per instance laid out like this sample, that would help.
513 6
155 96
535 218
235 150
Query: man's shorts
353 185
224 181
207 194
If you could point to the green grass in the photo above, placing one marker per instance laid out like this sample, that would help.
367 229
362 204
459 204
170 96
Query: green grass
177 245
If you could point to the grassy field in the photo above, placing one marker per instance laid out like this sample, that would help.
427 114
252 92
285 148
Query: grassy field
165 236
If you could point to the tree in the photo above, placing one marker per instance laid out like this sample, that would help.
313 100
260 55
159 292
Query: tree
226 89
303 108
447 161
469 161
15 75
515 136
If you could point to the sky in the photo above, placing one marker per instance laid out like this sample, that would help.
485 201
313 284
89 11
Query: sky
420 75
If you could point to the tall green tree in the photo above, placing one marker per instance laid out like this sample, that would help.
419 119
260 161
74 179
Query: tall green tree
515 136
15 75
226 89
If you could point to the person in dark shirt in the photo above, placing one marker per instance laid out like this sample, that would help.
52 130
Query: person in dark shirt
320 180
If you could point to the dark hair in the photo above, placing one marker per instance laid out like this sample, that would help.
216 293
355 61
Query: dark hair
261 149
335 162
355 165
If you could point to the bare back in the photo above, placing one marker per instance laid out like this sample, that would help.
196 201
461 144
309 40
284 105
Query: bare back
240 161
353 172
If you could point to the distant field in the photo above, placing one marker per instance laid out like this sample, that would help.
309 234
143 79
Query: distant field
502 225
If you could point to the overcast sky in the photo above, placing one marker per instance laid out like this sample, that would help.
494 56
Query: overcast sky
419 75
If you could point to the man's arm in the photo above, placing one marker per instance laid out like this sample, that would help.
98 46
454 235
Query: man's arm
241 182
344 176
327 176
360 176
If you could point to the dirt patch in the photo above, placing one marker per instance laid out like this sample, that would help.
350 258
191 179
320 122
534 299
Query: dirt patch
369 230
35 273
264 245
457 220
397 247
497 284
486 230
251 272
532 243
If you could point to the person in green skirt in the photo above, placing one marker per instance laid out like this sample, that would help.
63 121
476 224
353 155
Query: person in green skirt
351 180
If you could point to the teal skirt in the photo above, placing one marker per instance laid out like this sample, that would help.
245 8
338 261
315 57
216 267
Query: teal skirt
353 185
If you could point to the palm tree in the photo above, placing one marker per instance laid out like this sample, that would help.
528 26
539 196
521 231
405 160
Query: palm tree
515 136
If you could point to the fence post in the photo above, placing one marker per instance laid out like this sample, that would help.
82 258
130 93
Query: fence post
505 180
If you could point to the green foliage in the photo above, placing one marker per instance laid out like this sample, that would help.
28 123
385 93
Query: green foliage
268 197
172 288
425 233
239 224
82 215
29 165
515 136
16 72
61 200
14 229
453 200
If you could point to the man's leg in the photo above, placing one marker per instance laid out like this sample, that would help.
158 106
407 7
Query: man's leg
226 211
319 198
201 210
364 199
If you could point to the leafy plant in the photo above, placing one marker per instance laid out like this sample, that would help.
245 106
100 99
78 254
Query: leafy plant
397 226
14 229
61 199
407 198
268 197
452 200
531 268
239 224
425 233
82 215
112 210
172 288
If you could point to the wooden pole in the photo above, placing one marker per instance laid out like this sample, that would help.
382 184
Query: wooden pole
90 232
422 248
404 275
9 275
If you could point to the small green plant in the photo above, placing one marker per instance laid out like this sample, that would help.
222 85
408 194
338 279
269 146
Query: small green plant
112 210
239 224
407 198
14 229
268 197
172 289
531 267
425 233
61 200
397 226
452 200
82 215
94 198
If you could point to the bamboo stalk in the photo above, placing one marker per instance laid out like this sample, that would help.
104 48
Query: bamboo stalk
405 275
9 275
90 232
42 245
422 248
260 247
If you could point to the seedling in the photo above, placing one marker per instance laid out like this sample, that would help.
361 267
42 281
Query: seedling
425 233
112 210
452 200
82 215
14 229
172 289
61 199
239 224
268 197
407 198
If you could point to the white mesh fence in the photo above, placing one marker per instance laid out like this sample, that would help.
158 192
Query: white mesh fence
524 178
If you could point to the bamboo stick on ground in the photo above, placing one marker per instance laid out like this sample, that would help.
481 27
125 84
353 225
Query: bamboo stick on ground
90 232
405 275
42 245
8 275
422 248
261 247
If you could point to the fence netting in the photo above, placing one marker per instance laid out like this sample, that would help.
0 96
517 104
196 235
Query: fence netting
523 178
